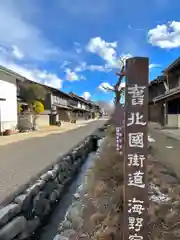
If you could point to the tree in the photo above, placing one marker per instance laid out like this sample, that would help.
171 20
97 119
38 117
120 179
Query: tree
38 107
20 108
34 95
118 89
31 92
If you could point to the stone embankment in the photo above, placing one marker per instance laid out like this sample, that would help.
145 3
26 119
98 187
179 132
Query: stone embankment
74 218
22 217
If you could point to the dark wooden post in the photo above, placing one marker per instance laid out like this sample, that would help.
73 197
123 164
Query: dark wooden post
136 149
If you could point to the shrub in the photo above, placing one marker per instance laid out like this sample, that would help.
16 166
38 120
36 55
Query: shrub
105 189
38 107
20 108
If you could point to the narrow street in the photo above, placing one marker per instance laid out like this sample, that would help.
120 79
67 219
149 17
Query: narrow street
166 149
22 160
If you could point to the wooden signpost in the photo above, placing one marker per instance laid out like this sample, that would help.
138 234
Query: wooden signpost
132 142
136 149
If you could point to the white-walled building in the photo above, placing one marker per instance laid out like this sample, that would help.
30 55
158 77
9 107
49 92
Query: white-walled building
10 85
8 102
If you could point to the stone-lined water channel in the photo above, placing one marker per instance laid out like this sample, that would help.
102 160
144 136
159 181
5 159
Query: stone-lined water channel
49 231
37 210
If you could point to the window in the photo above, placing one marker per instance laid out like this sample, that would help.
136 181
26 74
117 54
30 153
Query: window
173 106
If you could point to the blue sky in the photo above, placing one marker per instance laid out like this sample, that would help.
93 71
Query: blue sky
74 45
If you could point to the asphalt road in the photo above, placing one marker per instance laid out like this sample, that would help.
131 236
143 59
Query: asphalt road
22 160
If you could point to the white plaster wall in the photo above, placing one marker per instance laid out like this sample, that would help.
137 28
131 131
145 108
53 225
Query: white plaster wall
42 120
83 106
79 105
172 120
178 120
8 108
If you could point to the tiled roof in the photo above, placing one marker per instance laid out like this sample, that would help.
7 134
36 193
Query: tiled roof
157 80
173 65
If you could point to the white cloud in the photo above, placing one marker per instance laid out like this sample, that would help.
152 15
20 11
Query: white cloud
121 60
86 95
17 30
107 67
65 64
154 65
22 40
17 52
88 9
34 74
104 85
124 57
165 35
73 76
81 77
83 67
47 78
99 68
70 75
78 47
107 51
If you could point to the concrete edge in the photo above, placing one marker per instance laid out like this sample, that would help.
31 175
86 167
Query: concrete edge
50 133
170 136
166 134
152 152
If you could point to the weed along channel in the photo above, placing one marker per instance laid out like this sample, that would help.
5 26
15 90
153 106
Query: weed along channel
38 210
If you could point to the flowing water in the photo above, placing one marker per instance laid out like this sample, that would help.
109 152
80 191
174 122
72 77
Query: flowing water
50 230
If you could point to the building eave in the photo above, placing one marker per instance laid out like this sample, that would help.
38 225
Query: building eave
68 95
80 109
21 101
21 78
81 99
173 65
62 106
11 73
168 94
52 89
159 79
